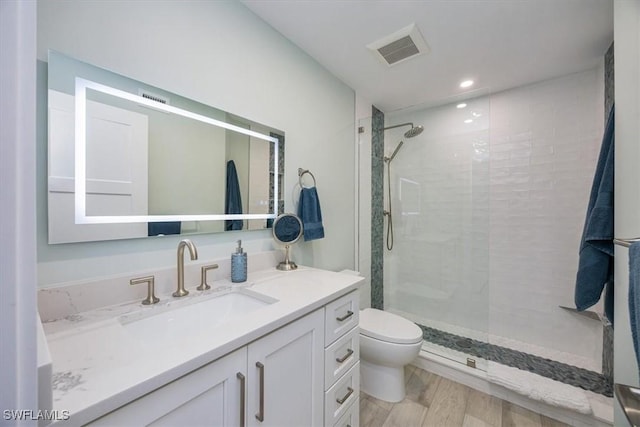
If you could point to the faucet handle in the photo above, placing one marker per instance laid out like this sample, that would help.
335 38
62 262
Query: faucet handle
203 276
150 280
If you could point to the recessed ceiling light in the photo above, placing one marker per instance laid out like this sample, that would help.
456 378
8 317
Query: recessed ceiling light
466 83
468 121
475 114
461 105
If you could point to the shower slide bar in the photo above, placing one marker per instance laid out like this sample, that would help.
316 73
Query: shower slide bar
625 242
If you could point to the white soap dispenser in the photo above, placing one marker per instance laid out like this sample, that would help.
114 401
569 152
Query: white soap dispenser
239 265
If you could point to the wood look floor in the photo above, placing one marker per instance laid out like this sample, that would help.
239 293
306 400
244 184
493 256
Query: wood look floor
434 401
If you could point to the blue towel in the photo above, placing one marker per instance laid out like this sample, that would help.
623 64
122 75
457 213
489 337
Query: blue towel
233 200
163 228
634 296
310 214
595 266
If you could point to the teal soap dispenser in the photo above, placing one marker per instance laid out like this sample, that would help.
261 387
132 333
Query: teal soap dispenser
239 265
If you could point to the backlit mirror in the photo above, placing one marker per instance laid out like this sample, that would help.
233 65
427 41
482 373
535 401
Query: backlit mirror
150 162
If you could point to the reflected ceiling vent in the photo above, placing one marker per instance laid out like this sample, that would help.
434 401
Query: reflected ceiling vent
398 47
153 96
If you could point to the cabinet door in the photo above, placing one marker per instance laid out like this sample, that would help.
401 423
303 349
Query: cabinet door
209 396
286 375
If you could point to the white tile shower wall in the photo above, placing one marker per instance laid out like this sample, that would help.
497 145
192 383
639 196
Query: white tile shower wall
545 140
493 243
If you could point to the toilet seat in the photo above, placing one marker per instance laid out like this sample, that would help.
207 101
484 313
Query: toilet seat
388 327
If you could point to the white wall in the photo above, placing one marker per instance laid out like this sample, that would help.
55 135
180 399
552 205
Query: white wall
17 210
627 199
503 202
218 53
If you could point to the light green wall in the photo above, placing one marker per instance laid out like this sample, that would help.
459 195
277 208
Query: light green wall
220 54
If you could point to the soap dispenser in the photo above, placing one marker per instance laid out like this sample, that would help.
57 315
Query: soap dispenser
239 265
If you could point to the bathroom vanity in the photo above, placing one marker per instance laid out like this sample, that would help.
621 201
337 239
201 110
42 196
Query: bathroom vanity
281 349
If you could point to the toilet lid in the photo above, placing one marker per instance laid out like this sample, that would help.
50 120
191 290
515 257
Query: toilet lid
388 327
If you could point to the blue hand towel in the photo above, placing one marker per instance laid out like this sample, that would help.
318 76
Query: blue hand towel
233 200
634 296
595 267
310 214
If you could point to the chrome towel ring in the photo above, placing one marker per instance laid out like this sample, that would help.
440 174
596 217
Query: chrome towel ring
301 172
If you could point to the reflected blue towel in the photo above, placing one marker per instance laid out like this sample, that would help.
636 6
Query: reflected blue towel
163 228
634 296
233 200
595 266
310 214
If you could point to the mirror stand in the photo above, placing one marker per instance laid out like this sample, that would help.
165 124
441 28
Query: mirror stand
287 264
287 229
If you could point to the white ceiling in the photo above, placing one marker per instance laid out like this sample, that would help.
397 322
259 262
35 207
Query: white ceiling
498 43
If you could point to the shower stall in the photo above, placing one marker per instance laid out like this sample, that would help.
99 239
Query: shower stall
487 205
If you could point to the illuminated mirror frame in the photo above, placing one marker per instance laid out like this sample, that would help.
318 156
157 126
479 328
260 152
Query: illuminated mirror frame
81 217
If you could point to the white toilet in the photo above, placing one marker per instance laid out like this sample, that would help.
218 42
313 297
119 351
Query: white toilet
388 342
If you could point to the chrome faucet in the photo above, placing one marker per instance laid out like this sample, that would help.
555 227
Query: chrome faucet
181 291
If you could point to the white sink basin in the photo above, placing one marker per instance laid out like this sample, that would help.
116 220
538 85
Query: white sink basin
199 316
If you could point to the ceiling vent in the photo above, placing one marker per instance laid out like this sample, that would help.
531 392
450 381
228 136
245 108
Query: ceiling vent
398 47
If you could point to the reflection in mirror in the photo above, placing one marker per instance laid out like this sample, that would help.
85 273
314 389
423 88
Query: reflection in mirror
287 230
150 162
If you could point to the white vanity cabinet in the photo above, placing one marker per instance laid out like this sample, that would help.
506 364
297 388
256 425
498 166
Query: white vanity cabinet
276 380
342 361
209 396
286 371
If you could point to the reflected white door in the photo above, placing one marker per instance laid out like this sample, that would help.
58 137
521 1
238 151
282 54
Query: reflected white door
117 170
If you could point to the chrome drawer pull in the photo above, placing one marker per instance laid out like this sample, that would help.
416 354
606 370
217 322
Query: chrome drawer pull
242 400
345 357
260 415
346 396
345 317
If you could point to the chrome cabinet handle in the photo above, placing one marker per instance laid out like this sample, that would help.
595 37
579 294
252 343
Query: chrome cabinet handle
242 398
260 414
346 396
345 357
345 317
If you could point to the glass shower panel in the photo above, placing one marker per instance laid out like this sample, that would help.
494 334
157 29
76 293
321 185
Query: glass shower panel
364 248
437 273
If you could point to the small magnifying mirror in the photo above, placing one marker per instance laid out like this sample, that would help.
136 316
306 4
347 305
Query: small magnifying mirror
287 229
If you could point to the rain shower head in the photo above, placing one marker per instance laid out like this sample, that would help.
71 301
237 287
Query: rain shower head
414 131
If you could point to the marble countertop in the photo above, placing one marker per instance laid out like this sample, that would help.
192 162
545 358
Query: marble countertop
98 365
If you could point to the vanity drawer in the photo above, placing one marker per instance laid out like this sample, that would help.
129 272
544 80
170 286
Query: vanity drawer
341 315
340 356
339 398
352 417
